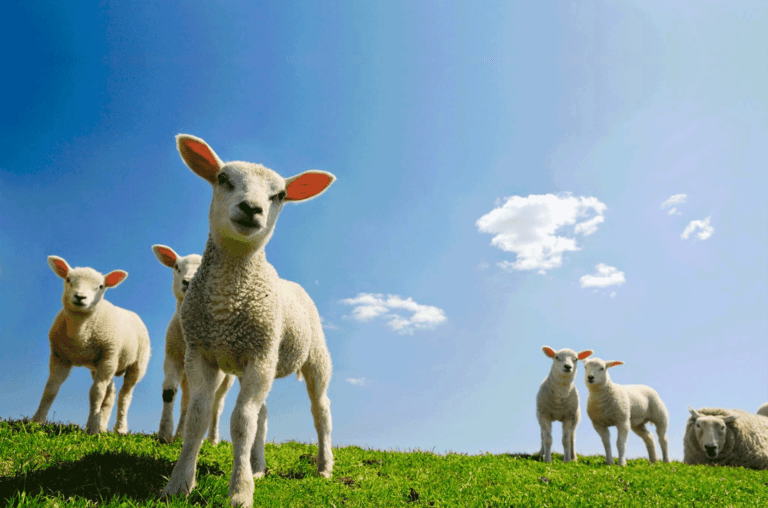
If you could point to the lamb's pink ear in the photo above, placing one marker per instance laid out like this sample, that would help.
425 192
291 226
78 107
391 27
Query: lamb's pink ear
114 278
694 413
165 255
199 156
584 354
307 185
729 419
548 351
613 363
59 266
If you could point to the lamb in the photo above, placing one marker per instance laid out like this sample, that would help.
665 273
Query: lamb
763 411
184 269
239 317
726 437
558 400
91 332
624 406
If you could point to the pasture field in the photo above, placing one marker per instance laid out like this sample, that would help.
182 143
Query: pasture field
59 465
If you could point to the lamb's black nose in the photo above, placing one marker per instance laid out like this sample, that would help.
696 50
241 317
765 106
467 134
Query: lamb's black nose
567 368
591 378
185 283
250 209
79 298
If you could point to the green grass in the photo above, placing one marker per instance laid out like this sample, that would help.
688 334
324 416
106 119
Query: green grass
60 465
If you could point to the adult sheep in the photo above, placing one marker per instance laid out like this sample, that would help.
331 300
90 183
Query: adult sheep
727 437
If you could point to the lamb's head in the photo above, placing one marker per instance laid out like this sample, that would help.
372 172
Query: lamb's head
184 268
596 371
710 431
247 197
564 361
84 287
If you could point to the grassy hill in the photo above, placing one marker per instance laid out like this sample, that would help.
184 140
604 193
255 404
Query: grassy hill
60 465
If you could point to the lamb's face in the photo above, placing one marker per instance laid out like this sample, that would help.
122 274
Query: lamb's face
711 432
247 198
84 288
183 271
595 372
564 363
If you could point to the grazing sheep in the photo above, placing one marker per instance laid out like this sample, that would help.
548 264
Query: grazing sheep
558 400
726 437
184 269
91 332
624 406
763 411
239 317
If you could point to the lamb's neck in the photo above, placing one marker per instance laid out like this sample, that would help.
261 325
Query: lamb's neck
77 321
560 385
603 391
227 263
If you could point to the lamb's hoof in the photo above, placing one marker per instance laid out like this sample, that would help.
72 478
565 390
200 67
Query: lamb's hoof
324 474
242 499
171 490
214 440
121 430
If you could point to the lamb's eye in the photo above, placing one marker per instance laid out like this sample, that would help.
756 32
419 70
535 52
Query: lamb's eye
68 281
101 286
279 196
223 180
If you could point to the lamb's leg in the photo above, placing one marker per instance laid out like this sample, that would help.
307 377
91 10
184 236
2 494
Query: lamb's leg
605 435
184 407
59 370
203 380
255 384
218 406
102 378
106 406
258 462
642 431
130 379
661 431
621 441
173 370
546 438
317 374
569 427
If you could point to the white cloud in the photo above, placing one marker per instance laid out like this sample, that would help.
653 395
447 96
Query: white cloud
528 227
357 382
327 324
673 210
606 276
677 199
706 229
613 294
390 307
483 265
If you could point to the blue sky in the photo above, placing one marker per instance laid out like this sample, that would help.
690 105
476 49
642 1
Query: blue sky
504 178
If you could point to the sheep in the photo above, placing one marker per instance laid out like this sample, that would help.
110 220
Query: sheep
184 269
91 332
727 437
624 406
763 411
558 400
239 317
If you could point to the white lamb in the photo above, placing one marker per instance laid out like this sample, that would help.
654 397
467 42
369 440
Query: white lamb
763 411
558 400
239 317
624 406
726 437
184 268
91 332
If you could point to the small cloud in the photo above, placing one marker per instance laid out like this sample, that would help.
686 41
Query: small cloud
327 324
529 227
613 294
673 210
390 307
706 229
483 265
357 382
677 199
606 276
317 283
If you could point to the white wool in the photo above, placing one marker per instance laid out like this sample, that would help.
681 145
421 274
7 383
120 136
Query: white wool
625 407
726 437
239 317
763 411
558 400
91 332
184 268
